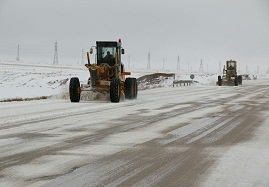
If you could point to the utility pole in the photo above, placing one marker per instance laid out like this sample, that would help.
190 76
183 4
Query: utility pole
258 69
82 57
178 62
148 65
18 53
201 66
129 58
55 59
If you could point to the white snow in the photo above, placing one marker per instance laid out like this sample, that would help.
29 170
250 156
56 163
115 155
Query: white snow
31 80
249 161
21 81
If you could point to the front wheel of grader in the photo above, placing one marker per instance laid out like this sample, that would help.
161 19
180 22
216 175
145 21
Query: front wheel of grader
74 89
115 90
219 81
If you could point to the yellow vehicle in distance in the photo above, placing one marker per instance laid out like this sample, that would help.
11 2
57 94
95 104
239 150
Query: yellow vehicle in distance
230 76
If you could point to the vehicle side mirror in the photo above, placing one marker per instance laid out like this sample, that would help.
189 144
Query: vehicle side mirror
91 51
122 51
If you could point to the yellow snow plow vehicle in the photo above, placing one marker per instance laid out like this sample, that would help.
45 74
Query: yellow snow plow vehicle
230 77
107 74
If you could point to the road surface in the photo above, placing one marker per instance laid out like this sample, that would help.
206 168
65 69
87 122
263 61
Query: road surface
181 136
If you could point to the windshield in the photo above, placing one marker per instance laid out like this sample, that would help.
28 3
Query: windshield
231 65
103 52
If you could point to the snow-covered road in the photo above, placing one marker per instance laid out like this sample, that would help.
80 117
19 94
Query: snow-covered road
181 136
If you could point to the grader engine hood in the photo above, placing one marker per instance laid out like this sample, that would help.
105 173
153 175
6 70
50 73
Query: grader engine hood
103 71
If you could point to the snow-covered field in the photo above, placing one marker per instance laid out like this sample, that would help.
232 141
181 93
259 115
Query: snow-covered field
33 81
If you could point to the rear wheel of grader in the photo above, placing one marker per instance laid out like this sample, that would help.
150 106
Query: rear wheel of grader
240 79
115 90
236 81
135 88
74 89
219 81
128 88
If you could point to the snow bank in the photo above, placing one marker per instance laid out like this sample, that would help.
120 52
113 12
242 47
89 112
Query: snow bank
35 81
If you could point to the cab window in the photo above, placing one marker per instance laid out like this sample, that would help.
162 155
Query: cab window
103 51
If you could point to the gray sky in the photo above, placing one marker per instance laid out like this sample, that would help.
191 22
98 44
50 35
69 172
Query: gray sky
212 30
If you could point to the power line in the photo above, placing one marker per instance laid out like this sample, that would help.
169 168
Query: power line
26 47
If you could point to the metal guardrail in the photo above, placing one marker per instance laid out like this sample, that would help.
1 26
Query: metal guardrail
182 82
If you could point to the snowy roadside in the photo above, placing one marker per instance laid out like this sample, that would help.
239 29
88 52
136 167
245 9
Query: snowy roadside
35 81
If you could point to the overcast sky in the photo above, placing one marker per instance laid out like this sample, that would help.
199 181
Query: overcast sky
211 30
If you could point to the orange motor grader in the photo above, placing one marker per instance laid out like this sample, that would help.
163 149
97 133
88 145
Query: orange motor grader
230 76
107 74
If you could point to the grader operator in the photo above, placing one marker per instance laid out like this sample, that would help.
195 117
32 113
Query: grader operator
107 74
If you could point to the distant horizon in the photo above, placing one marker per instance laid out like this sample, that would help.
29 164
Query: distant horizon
78 60
194 69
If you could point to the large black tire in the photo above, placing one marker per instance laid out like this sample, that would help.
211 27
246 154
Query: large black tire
236 81
128 88
240 79
93 74
135 88
115 90
74 89
219 81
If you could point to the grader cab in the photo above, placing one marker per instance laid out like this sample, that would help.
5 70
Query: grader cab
107 74
230 76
